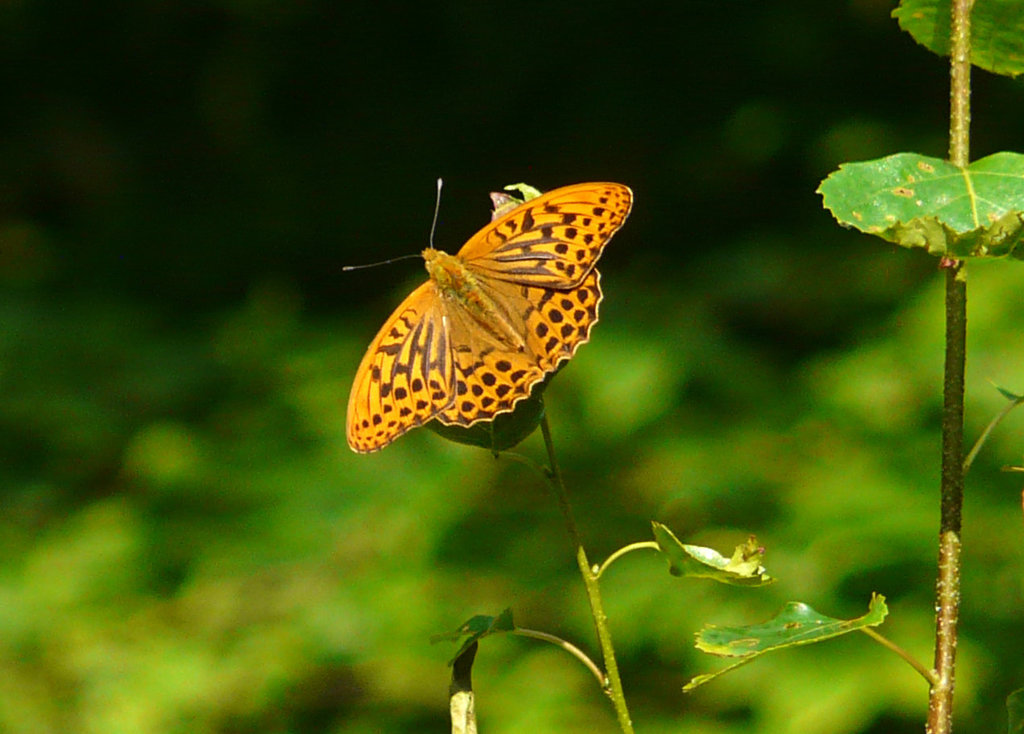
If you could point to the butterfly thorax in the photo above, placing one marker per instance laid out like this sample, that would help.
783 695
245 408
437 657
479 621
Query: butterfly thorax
456 283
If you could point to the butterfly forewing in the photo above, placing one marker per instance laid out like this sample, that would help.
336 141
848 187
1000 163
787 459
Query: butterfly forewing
552 240
406 375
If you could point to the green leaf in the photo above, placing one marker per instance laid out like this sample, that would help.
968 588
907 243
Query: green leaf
1008 394
743 569
997 31
504 202
922 202
475 629
1015 710
796 624
528 192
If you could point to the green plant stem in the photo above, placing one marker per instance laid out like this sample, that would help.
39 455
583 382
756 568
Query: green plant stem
928 675
641 545
947 587
565 645
973 453
614 682
960 83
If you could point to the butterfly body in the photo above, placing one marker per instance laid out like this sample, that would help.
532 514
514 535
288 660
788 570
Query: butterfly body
458 286
492 321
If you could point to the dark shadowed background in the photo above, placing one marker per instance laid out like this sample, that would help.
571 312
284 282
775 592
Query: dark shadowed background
188 545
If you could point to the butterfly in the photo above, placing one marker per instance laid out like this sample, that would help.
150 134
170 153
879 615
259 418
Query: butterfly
492 321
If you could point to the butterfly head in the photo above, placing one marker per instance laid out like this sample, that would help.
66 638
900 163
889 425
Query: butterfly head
448 271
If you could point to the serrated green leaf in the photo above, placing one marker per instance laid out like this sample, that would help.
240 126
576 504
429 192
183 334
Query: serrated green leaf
694 561
796 624
997 31
1015 711
923 202
475 629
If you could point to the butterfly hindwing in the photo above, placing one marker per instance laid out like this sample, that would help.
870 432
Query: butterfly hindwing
552 240
406 376
491 377
559 321
488 384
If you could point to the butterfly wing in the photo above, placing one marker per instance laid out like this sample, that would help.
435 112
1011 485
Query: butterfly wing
552 240
406 375
435 359
490 376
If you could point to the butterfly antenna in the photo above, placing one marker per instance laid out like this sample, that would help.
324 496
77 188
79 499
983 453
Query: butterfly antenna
437 208
433 226
346 268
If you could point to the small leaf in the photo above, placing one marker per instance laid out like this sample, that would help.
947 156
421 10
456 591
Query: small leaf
475 629
796 624
1015 710
997 31
743 569
746 559
504 202
922 202
528 192
1008 394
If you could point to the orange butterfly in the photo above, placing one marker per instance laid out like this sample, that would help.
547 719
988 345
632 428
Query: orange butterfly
516 301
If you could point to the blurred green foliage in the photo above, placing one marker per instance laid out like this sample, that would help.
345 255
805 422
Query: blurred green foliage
187 545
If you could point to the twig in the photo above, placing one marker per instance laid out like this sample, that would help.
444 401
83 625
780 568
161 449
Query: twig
988 429
568 647
947 588
644 544
928 675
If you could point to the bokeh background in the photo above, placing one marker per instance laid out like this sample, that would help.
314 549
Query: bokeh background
186 542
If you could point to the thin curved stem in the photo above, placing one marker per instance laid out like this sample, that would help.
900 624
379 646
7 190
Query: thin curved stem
568 647
613 685
928 675
644 544
523 459
973 453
